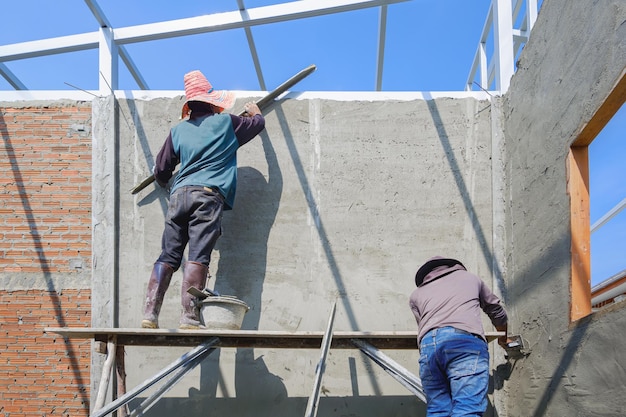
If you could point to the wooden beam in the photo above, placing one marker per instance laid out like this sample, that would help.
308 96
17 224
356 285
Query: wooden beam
106 373
120 367
247 338
610 106
578 189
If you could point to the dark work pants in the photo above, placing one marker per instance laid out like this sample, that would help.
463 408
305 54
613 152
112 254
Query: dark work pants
194 218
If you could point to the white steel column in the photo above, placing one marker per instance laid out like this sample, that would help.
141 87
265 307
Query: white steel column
130 64
531 14
503 43
108 58
484 68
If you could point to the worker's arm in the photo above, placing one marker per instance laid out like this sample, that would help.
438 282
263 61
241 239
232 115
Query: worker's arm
504 340
165 162
248 126
492 306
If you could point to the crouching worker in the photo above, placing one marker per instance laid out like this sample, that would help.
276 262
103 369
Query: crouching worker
454 359
205 144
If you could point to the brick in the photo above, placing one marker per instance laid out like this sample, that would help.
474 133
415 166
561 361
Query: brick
55 166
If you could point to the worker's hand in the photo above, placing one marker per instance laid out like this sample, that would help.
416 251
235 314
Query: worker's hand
251 109
504 341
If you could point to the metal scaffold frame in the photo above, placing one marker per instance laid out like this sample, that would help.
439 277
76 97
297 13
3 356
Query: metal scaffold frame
206 341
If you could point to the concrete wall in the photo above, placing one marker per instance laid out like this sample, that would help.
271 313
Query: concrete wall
576 55
341 201
337 201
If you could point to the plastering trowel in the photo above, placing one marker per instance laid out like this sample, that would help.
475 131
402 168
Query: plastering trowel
516 348
205 293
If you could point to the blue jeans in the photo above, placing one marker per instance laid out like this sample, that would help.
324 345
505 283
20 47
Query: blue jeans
454 369
194 217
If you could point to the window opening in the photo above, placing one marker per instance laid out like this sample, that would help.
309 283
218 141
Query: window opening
607 199
597 192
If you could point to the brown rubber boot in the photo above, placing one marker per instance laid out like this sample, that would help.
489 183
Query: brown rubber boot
194 275
157 286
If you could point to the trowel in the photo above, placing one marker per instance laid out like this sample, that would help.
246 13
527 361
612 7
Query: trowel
205 293
516 348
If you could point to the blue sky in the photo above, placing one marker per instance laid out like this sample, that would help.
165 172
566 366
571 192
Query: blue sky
429 47
607 188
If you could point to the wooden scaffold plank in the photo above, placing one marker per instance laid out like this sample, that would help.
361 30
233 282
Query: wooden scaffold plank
401 340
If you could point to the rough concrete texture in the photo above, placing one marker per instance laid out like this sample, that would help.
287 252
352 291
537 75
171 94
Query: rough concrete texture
342 200
337 201
576 55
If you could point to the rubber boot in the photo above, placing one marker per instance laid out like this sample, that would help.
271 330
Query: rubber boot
194 275
157 286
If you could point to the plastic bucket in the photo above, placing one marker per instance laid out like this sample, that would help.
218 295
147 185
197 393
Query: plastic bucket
223 312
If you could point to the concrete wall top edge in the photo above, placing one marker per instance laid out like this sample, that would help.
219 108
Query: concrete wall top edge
13 96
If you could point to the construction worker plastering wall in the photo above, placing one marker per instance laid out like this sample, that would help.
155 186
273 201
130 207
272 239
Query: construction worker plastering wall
454 359
205 144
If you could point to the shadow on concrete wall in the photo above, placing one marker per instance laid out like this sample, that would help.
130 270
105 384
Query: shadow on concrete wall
319 224
567 356
532 284
402 406
160 194
241 272
531 281
467 199
44 265
139 130
323 236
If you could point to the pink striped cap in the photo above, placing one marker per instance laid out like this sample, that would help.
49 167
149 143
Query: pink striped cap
198 88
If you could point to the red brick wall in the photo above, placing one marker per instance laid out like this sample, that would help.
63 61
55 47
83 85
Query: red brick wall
45 216
42 374
45 236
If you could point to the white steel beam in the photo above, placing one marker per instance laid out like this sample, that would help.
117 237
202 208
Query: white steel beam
252 46
515 10
50 46
132 68
181 27
609 215
479 58
234 20
382 33
97 12
11 78
507 42
491 72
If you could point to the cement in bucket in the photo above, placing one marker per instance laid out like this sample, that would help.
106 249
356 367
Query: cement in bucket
220 312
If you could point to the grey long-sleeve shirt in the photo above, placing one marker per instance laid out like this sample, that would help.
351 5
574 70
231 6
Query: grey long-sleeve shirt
451 296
